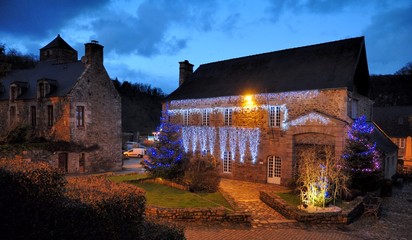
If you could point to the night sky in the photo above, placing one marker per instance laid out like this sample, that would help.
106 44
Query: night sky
144 40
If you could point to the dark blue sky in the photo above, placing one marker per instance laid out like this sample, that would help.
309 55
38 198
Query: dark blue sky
144 40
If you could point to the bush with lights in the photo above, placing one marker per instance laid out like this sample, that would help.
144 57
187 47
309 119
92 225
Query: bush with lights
362 156
321 176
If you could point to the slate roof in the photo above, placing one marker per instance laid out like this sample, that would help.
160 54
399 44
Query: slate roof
58 42
64 75
395 121
339 64
382 139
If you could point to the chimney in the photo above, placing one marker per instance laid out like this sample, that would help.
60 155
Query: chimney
94 53
185 71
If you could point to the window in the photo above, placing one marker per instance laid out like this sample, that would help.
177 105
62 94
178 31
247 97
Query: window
13 93
186 118
33 116
12 115
82 162
228 117
42 90
80 116
401 142
274 166
274 117
205 117
227 163
50 117
354 108
204 153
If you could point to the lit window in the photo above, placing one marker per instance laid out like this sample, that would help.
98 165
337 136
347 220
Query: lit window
50 117
274 116
186 118
401 142
227 163
228 117
80 116
205 117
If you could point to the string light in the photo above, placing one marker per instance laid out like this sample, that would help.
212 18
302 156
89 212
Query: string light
263 98
311 117
242 145
200 138
222 140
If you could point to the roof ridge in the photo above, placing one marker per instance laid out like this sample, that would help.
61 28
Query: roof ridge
284 50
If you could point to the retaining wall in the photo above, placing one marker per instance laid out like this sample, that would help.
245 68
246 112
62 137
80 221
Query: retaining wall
348 214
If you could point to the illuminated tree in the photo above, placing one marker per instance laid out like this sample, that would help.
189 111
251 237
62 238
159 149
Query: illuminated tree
167 158
321 176
361 154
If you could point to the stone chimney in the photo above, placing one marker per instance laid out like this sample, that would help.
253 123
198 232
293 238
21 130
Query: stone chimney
94 53
185 71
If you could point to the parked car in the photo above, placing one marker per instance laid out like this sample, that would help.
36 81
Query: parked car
135 152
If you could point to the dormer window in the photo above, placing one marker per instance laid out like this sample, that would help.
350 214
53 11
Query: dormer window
17 89
42 90
45 87
13 92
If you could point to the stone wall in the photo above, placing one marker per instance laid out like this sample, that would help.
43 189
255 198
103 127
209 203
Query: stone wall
52 158
102 108
218 214
351 212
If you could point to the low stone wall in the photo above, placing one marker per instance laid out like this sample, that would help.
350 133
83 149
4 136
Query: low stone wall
218 214
348 214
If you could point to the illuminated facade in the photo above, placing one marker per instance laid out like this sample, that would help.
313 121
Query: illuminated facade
64 99
262 110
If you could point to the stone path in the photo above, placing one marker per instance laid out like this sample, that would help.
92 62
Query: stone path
394 222
246 195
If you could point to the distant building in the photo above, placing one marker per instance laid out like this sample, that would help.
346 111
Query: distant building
64 99
396 121
258 113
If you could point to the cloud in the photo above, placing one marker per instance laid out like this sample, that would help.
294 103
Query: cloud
389 38
124 72
278 7
37 19
146 33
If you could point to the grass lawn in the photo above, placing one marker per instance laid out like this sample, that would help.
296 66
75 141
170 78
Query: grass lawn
164 196
122 178
289 197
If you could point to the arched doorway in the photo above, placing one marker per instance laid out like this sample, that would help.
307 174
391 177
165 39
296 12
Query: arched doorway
319 143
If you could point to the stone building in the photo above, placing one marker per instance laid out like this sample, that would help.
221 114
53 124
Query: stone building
66 100
258 113
396 121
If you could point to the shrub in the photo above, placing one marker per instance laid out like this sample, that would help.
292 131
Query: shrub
203 174
150 230
30 196
19 134
119 206
36 202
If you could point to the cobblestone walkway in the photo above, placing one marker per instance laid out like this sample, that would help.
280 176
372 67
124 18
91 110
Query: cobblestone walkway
394 222
246 195
395 219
